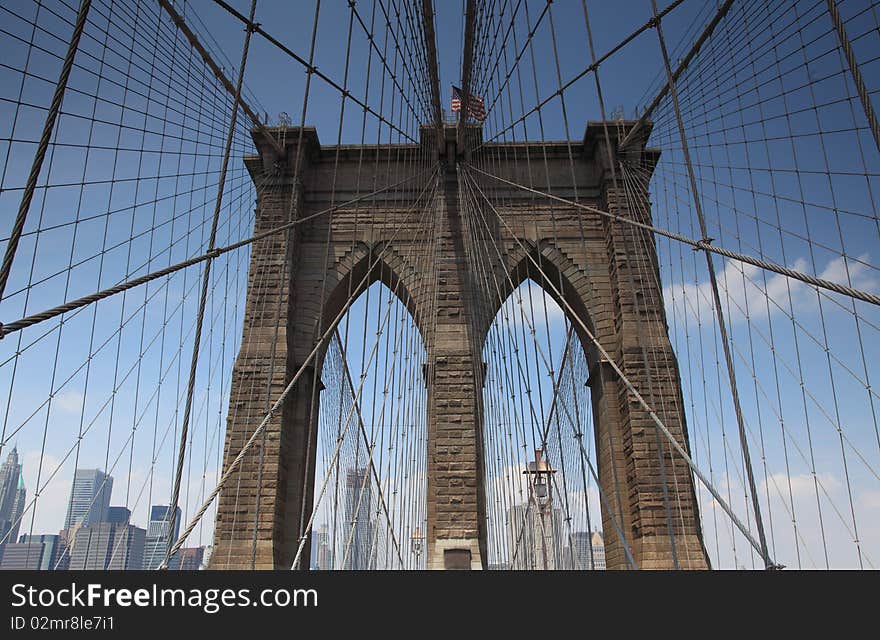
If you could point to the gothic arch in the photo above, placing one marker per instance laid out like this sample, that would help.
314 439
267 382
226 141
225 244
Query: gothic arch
568 279
364 264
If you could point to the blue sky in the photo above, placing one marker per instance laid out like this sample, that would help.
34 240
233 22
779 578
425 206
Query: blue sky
785 168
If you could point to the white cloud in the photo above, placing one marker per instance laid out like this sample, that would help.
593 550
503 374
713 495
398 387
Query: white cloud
869 499
860 275
742 288
69 401
801 485
801 529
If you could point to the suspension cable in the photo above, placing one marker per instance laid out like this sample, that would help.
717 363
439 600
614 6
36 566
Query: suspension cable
704 245
48 128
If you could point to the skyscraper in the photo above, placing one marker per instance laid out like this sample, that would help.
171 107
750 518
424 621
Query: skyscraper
22 556
322 552
31 553
12 497
108 545
89 498
118 515
190 558
157 537
359 526
597 548
586 545
536 538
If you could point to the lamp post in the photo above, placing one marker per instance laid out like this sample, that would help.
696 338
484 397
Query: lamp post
417 539
540 475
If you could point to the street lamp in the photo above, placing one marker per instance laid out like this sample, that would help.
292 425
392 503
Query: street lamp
540 473
417 539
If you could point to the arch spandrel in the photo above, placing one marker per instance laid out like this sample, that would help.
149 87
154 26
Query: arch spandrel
364 264
579 291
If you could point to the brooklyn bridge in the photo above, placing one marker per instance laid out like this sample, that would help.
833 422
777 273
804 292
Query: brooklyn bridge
403 284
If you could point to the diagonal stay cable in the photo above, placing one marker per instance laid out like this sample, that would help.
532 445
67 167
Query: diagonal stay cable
719 312
206 278
705 245
613 364
313 70
364 435
23 323
682 66
279 402
194 41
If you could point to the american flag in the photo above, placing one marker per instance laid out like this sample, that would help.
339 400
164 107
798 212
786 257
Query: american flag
476 108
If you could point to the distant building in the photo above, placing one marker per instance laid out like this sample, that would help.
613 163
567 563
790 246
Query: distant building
118 515
190 558
22 556
108 545
587 545
536 539
31 553
89 498
322 551
12 497
65 536
156 544
597 546
359 526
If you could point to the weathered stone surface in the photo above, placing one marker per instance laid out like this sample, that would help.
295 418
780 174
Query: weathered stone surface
605 272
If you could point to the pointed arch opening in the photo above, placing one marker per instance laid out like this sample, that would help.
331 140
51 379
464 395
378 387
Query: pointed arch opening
369 481
542 497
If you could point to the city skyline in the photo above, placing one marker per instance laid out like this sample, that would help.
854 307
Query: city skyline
96 535
114 542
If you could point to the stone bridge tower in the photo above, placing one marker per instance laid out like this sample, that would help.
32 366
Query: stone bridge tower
299 280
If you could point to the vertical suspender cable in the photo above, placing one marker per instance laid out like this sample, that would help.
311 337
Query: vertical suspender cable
206 276
768 562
